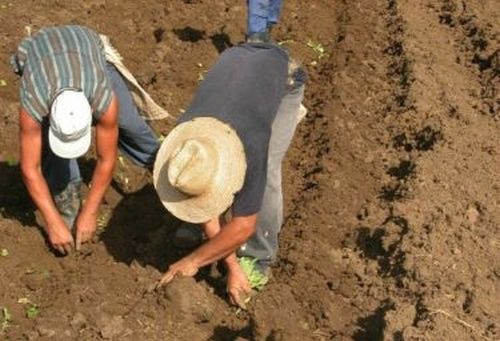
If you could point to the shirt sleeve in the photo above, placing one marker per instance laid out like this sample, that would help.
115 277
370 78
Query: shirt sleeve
18 59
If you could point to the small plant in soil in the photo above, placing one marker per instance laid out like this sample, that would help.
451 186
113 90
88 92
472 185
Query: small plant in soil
6 320
4 252
32 311
318 49
12 161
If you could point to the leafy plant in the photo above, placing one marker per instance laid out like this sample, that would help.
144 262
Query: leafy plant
32 311
256 278
6 319
318 48
11 161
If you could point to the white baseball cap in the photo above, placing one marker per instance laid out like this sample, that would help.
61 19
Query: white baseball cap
70 124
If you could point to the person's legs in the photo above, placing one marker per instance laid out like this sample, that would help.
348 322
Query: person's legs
264 244
136 138
257 20
274 12
63 178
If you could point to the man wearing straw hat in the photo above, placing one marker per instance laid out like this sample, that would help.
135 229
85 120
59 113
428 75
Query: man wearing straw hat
66 87
225 155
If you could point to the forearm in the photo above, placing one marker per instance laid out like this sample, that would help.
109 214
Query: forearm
224 243
103 174
107 152
212 228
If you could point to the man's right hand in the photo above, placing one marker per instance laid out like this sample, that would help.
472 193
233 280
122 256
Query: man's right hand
60 237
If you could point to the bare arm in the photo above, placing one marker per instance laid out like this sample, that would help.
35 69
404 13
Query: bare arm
212 228
222 245
238 286
107 149
31 168
225 243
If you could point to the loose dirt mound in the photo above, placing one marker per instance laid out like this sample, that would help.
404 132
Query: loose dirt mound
393 209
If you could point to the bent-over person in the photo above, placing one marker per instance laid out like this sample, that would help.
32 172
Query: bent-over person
225 154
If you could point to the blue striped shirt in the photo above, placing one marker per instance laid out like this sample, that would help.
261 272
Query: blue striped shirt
62 57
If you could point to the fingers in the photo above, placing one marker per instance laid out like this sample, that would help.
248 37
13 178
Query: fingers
235 295
67 248
83 237
64 249
60 249
167 278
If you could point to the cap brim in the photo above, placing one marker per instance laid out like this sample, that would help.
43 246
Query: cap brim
226 183
72 149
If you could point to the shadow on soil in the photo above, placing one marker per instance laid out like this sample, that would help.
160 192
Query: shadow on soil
372 326
220 39
140 230
223 333
15 202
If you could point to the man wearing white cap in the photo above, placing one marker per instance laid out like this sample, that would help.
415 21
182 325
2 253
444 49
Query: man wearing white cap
225 155
66 87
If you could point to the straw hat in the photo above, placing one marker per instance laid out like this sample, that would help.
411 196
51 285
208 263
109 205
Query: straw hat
199 168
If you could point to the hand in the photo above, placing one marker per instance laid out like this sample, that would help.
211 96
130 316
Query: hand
185 267
238 287
60 237
85 228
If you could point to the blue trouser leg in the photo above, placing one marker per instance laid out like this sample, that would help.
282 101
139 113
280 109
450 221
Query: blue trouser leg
264 243
274 12
258 11
136 138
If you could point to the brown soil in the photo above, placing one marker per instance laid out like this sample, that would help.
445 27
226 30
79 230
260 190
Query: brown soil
392 187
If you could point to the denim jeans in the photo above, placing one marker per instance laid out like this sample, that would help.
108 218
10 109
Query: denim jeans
262 14
136 140
264 243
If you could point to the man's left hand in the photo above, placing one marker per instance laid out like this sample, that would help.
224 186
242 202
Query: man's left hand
185 267
85 228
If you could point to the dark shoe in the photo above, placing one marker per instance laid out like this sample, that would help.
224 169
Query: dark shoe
259 37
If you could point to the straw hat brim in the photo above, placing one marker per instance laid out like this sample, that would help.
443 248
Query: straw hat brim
227 181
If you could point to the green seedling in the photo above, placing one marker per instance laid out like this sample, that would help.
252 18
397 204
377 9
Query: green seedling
102 219
318 48
4 252
121 173
256 278
286 42
3 82
6 319
201 75
11 161
121 160
32 311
